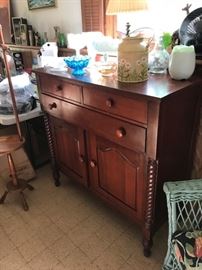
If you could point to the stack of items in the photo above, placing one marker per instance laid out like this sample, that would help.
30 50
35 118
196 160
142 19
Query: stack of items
24 94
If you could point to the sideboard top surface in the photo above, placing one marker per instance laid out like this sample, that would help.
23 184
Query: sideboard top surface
158 86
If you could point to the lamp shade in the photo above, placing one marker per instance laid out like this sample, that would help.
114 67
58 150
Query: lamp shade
119 6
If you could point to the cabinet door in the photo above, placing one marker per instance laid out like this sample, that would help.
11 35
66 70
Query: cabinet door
117 174
70 149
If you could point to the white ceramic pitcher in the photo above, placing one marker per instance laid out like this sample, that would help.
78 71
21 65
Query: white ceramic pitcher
182 62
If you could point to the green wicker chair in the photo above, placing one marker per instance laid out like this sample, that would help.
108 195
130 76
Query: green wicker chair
184 203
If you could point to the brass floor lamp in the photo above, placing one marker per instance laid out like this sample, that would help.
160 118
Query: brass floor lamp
11 143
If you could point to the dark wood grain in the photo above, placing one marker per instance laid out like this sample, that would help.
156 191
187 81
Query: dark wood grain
158 86
56 174
123 140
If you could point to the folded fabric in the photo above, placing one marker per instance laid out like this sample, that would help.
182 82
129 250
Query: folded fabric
188 249
23 91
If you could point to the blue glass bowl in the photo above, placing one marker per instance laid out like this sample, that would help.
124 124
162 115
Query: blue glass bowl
77 64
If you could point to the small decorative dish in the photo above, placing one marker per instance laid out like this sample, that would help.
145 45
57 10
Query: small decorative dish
77 64
107 69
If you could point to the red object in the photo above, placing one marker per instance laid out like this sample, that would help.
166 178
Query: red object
98 57
198 247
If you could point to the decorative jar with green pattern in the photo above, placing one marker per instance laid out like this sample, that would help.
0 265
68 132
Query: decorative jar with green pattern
133 60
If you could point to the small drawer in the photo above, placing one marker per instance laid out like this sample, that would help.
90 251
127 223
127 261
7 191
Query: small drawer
118 105
60 88
52 106
118 131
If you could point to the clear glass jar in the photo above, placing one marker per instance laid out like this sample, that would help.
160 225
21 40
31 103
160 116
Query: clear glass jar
158 58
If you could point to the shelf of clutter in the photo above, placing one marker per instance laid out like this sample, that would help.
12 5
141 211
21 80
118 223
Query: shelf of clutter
27 54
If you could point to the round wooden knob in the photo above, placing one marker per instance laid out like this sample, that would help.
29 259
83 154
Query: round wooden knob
120 133
59 87
93 163
81 158
109 102
52 105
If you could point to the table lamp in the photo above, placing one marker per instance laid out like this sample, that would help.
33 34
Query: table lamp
115 7
132 51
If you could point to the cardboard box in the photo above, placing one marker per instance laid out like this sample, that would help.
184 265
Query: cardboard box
23 166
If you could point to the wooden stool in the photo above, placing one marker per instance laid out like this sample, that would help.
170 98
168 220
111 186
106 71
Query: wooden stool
9 144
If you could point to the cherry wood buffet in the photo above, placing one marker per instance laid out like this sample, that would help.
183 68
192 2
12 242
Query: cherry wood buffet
122 141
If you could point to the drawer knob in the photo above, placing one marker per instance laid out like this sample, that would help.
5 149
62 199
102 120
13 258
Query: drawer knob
93 163
81 158
109 102
52 105
120 132
59 87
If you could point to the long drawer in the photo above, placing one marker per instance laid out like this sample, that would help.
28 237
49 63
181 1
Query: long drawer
121 132
129 108
60 88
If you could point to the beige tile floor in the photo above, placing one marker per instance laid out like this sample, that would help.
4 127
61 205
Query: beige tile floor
69 228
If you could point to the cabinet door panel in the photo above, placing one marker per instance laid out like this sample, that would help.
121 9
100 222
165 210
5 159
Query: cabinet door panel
123 184
118 175
70 149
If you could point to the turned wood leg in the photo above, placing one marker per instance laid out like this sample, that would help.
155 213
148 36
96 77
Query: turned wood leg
147 245
3 197
12 170
151 189
56 177
24 202
55 170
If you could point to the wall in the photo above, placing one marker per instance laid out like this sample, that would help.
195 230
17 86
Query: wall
66 15
162 15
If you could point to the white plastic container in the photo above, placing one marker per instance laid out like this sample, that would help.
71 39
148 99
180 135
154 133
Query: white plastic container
182 62
49 49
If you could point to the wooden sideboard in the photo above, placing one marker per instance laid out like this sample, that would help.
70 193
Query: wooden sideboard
122 140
